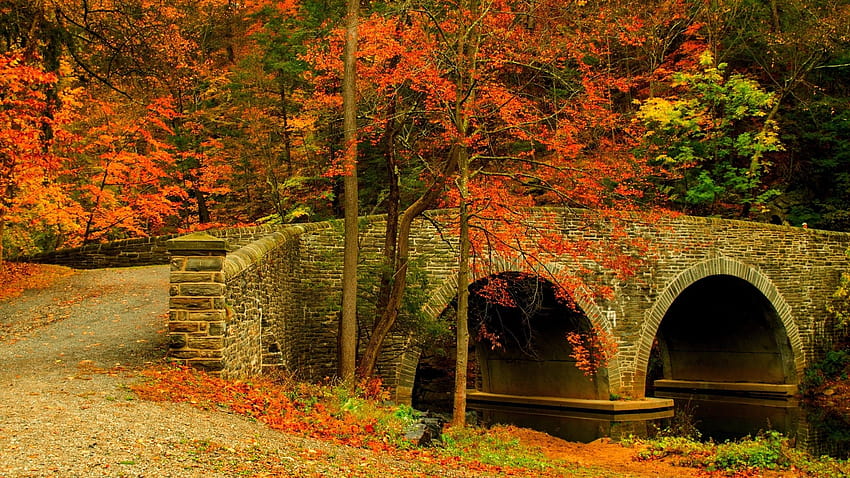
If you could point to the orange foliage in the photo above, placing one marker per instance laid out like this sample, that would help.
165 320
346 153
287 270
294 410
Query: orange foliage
308 410
18 277
530 143
592 350
304 409
29 126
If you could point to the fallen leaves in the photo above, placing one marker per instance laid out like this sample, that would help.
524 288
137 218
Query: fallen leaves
300 408
18 277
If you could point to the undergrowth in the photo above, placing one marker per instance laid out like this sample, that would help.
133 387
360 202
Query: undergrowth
356 416
361 416
742 458
493 446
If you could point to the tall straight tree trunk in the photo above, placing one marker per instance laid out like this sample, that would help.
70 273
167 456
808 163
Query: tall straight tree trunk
462 333
348 320
467 59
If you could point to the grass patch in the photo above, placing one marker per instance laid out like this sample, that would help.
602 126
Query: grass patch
493 446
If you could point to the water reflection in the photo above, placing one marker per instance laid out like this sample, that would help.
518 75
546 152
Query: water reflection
572 425
731 419
715 419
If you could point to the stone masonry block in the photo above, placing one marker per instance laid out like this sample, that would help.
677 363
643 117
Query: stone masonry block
206 343
185 327
198 241
176 315
181 277
191 303
178 263
206 315
207 365
217 328
208 354
214 263
177 341
201 290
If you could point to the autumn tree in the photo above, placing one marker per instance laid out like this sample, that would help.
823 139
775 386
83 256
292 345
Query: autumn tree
31 197
716 132
282 154
522 102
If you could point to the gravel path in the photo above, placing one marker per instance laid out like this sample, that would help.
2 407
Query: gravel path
62 415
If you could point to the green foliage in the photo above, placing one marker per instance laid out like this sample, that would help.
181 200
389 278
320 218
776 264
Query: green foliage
715 133
833 366
672 446
766 451
821 177
416 295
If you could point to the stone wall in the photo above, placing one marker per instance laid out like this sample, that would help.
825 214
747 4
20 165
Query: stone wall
140 251
796 269
280 297
199 317
231 314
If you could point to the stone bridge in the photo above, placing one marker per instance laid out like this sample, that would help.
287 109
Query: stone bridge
721 305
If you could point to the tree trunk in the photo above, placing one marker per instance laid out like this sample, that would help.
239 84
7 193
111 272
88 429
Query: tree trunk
203 210
348 320
389 315
2 233
393 205
459 405
468 63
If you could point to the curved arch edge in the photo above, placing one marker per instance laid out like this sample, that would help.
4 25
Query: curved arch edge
714 267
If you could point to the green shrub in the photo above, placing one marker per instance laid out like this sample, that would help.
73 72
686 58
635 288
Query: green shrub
833 367
766 451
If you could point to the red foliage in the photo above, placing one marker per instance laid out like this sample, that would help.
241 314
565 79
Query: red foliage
301 410
592 350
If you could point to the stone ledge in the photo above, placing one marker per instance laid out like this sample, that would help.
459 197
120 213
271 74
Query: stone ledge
198 241
606 406
241 259
740 387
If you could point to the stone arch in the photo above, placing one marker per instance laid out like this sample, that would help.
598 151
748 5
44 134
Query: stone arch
716 267
444 294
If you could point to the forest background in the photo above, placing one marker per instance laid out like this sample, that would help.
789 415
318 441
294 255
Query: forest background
123 118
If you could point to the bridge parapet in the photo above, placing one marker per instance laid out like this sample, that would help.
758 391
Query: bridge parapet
140 251
230 310
198 313
274 301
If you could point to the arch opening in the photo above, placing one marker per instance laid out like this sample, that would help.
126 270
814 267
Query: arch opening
522 365
519 327
723 329
723 353
518 346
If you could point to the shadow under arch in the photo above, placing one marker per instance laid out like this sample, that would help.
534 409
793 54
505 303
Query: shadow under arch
700 273
444 294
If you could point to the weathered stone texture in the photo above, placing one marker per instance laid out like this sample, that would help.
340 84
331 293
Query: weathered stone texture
140 251
275 301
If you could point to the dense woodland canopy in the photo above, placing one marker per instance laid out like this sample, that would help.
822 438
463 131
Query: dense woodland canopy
121 118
